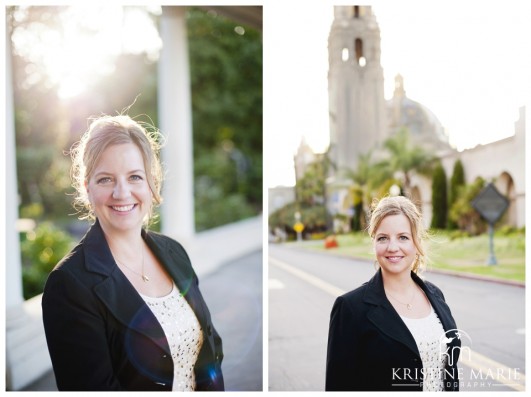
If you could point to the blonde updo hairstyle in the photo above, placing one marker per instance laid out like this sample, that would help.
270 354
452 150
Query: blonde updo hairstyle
107 131
396 206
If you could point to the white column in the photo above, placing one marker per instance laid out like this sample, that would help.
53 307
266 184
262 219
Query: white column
27 356
13 264
175 122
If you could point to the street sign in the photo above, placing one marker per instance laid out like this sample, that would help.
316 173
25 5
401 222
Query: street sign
298 227
490 204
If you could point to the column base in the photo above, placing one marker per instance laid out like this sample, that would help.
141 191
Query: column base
27 357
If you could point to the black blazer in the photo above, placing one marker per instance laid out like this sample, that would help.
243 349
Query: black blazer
371 348
102 336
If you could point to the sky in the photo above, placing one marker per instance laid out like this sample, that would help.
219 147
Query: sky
467 62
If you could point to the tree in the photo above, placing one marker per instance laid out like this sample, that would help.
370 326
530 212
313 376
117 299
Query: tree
439 198
310 188
462 212
407 158
456 182
369 178
226 79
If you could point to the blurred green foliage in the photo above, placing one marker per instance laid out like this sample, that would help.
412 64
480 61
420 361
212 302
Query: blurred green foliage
456 181
439 198
226 78
463 214
313 218
41 250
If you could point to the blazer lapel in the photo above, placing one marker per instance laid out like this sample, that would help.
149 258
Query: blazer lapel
178 265
444 314
438 304
117 293
385 317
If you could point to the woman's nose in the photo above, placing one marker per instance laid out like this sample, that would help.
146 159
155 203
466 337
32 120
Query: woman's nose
392 246
121 190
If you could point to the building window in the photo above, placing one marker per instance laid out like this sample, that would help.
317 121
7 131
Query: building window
358 47
344 54
356 11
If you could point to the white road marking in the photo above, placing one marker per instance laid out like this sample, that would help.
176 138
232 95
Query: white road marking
495 372
309 278
273 283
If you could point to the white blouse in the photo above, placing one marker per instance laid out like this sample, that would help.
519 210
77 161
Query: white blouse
183 333
427 332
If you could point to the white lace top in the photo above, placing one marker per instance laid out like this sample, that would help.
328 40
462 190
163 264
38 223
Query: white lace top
183 332
427 332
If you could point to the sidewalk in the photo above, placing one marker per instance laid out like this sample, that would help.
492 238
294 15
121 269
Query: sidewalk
233 293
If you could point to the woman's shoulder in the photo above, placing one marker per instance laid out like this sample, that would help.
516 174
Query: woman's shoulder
73 260
430 287
165 243
354 297
164 240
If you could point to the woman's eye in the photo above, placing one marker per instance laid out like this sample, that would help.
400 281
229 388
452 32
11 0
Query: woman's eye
404 238
103 180
381 239
136 178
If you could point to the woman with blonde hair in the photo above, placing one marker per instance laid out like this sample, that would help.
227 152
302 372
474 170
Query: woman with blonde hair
123 311
396 331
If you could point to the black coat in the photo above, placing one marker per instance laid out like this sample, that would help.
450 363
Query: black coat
102 336
371 348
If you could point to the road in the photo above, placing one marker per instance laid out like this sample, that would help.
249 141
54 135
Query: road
303 286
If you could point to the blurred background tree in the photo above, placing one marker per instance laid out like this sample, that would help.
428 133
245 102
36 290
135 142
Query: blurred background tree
226 76
439 198
463 214
457 180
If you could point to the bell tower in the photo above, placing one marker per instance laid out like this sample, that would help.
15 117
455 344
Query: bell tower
357 107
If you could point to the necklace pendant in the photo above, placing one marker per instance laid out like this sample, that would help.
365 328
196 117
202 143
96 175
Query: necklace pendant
409 307
145 278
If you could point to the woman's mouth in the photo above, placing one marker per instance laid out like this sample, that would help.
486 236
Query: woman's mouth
394 259
123 208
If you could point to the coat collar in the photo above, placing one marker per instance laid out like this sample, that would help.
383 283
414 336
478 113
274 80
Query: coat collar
384 316
119 295
389 322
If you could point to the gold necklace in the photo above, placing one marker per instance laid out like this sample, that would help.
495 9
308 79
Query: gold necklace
408 305
143 275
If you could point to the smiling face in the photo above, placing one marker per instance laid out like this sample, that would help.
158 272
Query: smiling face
394 245
118 190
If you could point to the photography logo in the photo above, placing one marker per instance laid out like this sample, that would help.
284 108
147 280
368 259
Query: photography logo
453 344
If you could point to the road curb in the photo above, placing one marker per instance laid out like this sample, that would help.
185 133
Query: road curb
436 271
477 277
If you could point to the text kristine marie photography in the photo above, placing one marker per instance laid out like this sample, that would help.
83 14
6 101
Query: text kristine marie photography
477 378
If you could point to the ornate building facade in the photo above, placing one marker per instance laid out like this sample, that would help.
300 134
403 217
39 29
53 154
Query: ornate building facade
361 119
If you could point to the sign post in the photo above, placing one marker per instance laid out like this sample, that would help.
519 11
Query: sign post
491 205
298 226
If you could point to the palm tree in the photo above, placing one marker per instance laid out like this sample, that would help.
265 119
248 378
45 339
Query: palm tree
368 178
407 158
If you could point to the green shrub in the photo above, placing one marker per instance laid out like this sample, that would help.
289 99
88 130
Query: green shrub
456 182
41 250
439 198
507 230
462 212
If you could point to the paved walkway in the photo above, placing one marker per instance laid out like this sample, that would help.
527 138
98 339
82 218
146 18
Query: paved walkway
233 293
